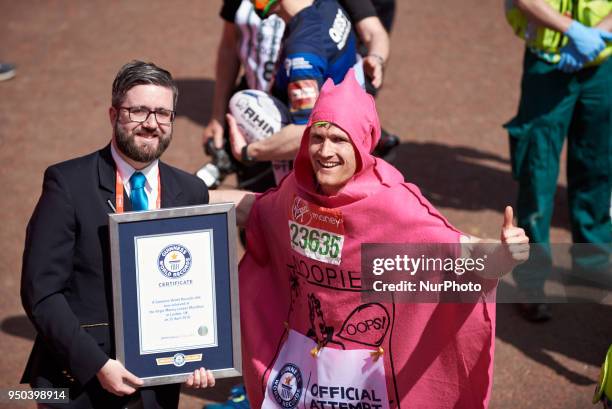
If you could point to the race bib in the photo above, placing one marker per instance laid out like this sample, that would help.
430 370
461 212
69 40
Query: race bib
316 232
335 378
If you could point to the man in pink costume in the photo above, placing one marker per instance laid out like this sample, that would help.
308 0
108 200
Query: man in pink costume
309 339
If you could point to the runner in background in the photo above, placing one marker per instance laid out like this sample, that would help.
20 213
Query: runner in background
253 44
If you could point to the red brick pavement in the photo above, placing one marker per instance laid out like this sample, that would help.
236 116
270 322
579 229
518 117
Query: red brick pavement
452 81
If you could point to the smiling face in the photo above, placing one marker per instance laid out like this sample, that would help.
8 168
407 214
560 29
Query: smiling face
140 143
332 157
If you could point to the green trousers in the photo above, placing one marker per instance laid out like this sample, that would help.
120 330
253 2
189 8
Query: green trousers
554 105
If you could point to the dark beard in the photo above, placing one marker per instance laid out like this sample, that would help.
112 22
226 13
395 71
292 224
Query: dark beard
126 145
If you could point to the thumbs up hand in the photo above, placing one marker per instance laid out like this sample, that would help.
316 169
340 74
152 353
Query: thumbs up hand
514 237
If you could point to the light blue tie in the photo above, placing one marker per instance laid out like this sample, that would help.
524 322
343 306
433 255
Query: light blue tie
138 196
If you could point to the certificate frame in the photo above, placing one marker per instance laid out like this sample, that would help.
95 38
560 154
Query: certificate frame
214 226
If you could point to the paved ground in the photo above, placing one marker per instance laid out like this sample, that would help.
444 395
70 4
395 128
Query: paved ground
452 81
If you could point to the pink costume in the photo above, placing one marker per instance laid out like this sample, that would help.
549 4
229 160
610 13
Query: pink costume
309 340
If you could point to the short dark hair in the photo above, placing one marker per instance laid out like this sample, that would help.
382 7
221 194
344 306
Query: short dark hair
141 73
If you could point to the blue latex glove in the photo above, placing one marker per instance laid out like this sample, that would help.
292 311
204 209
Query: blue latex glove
570 59
588 41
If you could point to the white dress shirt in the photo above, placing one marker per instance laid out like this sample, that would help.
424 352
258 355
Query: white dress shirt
151 173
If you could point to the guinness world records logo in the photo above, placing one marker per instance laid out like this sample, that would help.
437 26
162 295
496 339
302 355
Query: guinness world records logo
174 261
287 386
178 359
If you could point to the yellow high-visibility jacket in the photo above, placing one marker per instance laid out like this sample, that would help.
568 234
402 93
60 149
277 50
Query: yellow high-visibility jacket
545 42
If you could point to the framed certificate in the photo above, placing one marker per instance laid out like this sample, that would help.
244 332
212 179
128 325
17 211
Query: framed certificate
175 292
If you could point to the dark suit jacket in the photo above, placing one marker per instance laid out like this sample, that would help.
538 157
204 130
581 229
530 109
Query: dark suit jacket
66 276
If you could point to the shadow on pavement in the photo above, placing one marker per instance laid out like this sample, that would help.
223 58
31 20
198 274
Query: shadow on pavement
580 331
20 326
195 99
465 178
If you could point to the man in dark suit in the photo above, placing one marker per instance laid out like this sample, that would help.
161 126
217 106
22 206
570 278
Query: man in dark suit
66 275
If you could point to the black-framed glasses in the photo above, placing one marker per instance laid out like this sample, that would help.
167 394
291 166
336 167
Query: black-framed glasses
141 114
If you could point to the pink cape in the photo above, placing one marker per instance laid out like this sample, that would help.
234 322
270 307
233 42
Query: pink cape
435 355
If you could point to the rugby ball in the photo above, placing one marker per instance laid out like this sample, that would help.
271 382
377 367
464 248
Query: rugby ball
258 114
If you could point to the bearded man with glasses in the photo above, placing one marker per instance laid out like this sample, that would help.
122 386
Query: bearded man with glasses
66 275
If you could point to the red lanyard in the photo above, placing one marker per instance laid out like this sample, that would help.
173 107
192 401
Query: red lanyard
119 192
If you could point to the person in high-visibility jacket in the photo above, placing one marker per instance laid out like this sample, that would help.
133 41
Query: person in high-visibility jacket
566 89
